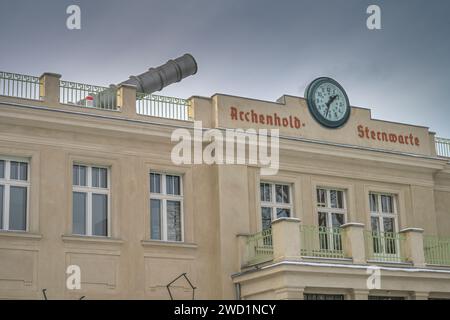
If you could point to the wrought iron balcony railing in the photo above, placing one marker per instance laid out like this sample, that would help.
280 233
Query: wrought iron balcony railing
325 243
321 242
437 250
384 246
259 247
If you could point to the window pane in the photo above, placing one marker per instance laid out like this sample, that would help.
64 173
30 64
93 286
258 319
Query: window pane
385 298
103 173
2 169
313 296
79 213
386 204
266 194
373 199
169 185
337 219
266 217
82 175
388 224
279 193
321 198
155 183
75 177
14 170
336 199
18 208
323 236
340 199
23 171
99 214
377 245
282 193
322 219
155 219
375 223
79 175
173 185
283 213
173 221
1 206
176 185
390 241
95 177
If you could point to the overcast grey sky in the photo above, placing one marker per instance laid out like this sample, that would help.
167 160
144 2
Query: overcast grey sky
252 48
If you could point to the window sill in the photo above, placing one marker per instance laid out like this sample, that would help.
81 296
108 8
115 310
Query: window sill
91 239
170 244
20 235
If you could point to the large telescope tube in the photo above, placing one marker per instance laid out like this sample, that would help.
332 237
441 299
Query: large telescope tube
155 79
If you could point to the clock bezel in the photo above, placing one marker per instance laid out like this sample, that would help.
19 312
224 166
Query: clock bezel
309 94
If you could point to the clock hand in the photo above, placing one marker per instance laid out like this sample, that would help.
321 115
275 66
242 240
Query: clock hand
328 104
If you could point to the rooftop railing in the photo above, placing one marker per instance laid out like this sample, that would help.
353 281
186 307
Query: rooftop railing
164 107
50 88
442 147
19 86
437 250
86 95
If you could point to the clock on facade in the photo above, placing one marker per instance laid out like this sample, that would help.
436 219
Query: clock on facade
328 102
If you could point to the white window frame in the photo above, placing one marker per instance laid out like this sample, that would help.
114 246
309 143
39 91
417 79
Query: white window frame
329 210
7 183
164 197
380 215
273 204
89 190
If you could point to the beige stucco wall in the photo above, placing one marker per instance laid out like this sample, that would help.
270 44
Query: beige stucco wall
220 202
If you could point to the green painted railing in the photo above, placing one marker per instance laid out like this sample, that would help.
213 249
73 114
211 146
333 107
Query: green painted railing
384 246
259 247
437 250
321 242
87 95
163 107
442 147
19 86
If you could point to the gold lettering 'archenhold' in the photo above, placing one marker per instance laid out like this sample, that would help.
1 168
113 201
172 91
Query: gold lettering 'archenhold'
266 119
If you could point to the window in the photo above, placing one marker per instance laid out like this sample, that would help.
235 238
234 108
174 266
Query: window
315 296
383 221
385 298
90 200
166 207
14 190
276 202
331 210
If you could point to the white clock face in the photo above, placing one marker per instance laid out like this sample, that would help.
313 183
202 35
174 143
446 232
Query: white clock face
330 102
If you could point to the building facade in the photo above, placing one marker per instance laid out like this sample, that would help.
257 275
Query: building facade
357 212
